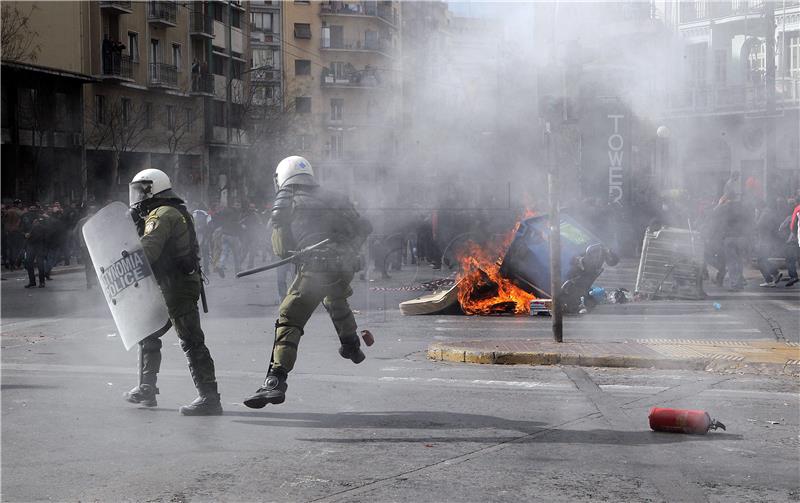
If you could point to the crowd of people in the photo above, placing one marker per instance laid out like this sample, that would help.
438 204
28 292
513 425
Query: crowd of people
735 228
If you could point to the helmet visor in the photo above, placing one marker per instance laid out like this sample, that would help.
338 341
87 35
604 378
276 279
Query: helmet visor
139 191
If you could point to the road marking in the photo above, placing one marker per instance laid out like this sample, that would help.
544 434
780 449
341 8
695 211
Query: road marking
789 306
600 328
478 382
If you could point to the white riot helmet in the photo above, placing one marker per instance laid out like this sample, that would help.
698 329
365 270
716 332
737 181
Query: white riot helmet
294 170
147 184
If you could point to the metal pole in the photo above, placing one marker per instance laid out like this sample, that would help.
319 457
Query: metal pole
228 82
555 239
769 82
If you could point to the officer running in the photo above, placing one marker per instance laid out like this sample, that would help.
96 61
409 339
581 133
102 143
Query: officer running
305 214
170 245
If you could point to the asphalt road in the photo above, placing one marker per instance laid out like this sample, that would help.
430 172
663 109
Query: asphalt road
397 427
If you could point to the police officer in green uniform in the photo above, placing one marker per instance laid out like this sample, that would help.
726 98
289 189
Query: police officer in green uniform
305 214
170 245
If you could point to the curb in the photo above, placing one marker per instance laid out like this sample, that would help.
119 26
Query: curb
453 353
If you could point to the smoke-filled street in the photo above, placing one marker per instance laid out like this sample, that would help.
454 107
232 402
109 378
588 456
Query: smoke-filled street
397 427
400 250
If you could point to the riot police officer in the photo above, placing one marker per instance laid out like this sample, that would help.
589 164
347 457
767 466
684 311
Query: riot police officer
170 245
304 214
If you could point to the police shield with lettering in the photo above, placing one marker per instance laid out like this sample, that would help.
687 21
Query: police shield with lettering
136 302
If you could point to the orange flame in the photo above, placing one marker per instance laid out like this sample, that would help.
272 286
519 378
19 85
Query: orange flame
481 288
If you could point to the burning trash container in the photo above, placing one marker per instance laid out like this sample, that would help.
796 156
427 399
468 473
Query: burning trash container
527 261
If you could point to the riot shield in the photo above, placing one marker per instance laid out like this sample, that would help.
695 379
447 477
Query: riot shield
127 280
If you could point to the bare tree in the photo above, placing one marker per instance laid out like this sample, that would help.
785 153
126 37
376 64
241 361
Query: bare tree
180 135
18 40
119 126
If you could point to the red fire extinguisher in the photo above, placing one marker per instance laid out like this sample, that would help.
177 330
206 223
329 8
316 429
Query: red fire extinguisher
697 422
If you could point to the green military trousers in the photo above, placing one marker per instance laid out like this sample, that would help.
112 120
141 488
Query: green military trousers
181 295
303 297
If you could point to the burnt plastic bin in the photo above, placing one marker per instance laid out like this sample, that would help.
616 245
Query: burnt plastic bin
527 261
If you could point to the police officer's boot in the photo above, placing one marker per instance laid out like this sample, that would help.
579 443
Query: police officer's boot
207 404
273 391
351 349
143 394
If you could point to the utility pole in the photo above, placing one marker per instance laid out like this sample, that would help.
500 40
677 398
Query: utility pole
228 92
769 95
554 224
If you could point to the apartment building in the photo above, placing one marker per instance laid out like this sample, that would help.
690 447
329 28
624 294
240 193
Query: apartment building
728 111
42 103
341 63
156 93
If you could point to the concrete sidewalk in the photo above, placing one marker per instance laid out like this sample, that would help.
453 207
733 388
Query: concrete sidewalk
760 356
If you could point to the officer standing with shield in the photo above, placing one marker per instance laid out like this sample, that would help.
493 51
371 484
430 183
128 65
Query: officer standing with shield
170 245
304 214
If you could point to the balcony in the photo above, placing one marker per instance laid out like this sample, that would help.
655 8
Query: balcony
349 121
734 99
379 46
163 75
366 78
203 84
116 7
201 25
360 9
118 67
162 13
266 75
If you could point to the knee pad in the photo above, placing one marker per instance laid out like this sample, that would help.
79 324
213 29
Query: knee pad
151 344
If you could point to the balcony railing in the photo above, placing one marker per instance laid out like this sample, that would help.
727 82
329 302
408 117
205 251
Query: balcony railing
699 11
747 98
366 8
117 6
118 65
200 24
367 77
381 45
264 75
163 75
162 12
203 83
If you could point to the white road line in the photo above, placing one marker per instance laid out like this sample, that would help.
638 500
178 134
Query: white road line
789 306
11 370
599 328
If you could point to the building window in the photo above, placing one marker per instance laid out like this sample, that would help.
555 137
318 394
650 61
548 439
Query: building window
155 51
720 67
302 30
264 58
176 56
304 142
133 46
794 56
190 119
236 18
100 109
336 146
339 69
696 59
302 2
302 67
217 65
262 21
170 116
148 115
126 111
61 112
219 113
337 104
302 105
756 59
218 13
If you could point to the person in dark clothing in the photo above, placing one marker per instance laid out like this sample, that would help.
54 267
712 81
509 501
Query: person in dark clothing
788 230
738 226
86 259
769 242
36 244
